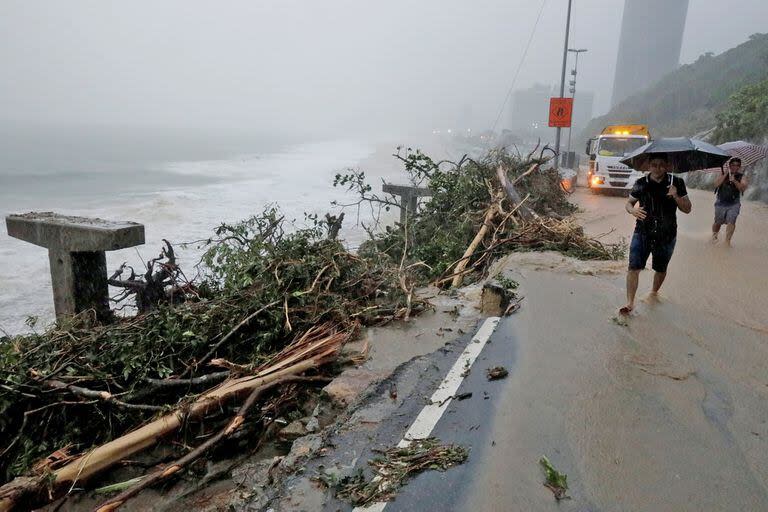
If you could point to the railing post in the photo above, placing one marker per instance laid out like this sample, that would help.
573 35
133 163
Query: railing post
76 254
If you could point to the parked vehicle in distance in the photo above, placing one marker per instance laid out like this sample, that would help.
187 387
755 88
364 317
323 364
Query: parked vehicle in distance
605 151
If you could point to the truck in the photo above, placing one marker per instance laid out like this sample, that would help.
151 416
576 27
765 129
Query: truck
606 172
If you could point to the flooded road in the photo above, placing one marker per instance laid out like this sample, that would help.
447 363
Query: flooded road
667 412
664 411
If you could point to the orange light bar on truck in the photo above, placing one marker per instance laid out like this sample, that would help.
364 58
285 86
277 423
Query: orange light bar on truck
598 180
626 129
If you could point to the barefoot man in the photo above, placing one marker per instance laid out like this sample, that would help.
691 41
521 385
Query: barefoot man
654 201
729 186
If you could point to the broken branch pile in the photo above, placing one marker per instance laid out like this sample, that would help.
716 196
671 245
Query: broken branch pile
479 210
397 465
107 391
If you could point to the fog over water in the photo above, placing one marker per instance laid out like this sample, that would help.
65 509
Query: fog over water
181 114
302 68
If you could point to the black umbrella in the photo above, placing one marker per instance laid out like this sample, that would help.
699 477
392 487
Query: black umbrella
683 154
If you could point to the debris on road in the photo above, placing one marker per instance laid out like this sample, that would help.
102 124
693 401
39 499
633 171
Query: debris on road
620 320
496 373
463 396
556 482
395 466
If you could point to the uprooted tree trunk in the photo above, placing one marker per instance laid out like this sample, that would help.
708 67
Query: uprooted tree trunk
155 285
334 225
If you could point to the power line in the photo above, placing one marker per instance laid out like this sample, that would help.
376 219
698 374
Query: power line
520 65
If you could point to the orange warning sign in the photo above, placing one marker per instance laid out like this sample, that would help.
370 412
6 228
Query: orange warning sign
560 112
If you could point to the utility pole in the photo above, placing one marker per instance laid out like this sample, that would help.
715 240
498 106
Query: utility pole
562 80
572 90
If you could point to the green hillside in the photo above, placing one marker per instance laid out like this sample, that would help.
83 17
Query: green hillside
688 100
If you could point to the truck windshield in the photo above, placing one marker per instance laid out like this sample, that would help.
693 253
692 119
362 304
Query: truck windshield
614 146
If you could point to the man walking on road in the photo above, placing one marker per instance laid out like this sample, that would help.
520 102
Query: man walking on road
659 195
728 187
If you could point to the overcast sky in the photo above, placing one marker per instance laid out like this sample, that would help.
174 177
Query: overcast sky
327 66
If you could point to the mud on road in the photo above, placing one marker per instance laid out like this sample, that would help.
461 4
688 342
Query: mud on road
665 411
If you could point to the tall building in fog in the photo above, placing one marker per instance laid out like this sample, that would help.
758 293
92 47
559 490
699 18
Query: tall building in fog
530 110
649 47
583 104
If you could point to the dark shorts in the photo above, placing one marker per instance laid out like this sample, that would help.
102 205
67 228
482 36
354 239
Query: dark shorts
727 213
641 247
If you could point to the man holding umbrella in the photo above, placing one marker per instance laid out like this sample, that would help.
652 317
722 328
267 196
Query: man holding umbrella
655 199
654 202
729 186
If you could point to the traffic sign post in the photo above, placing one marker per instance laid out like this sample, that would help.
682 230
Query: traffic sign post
560 110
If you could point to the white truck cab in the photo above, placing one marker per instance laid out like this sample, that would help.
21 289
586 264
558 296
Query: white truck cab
614 143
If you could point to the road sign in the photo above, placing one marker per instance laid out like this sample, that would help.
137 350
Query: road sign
560 110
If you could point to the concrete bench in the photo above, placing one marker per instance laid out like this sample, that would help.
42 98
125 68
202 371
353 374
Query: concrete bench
410 196
76 253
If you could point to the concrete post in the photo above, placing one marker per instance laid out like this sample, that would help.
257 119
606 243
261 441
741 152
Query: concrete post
76 254
411 204
409 197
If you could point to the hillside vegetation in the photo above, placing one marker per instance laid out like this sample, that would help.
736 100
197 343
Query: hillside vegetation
688 100
745 117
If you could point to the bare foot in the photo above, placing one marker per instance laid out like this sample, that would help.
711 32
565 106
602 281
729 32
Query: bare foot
713 240
626 310
652 298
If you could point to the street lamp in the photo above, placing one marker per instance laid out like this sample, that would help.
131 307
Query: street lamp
572 89
562 78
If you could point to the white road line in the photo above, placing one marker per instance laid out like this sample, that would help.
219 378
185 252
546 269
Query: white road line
425 422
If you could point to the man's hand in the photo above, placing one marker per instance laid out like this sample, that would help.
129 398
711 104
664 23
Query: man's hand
672 192
638 212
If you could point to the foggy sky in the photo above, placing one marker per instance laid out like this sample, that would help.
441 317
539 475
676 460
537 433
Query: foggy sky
322 67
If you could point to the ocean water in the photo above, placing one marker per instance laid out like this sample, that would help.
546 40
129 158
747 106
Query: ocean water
180 201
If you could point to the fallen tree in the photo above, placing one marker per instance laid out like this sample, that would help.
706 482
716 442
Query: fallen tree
109 390
479 210
270 309
311 351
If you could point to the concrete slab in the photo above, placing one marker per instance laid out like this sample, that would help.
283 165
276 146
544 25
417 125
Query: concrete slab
405 190
76 248
75 234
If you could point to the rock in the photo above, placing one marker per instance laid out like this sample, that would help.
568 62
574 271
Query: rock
313 425
497 372
344 389
293 430
302 448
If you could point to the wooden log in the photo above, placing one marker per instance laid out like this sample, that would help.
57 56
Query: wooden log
459 277
514 195
24 489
